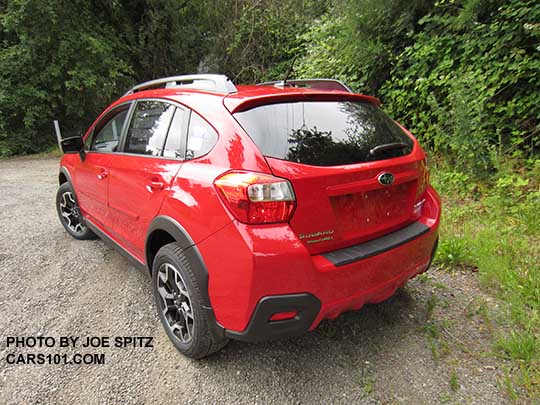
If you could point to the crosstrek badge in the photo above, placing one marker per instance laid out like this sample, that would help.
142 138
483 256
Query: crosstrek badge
321 235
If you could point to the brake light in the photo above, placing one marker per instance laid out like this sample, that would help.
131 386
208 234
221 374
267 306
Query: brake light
257 198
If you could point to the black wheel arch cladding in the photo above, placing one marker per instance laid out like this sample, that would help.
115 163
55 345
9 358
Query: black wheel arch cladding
64 173
184 240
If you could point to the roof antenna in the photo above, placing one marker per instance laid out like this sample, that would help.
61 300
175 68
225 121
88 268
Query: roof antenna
289 71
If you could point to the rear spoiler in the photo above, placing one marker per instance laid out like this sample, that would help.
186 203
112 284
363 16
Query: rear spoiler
236 103
318 84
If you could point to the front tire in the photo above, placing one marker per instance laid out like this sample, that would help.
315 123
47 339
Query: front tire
70 214
180 305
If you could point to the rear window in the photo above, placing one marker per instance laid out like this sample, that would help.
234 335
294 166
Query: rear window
325 133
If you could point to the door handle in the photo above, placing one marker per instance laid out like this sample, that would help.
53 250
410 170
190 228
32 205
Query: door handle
156 185
103 174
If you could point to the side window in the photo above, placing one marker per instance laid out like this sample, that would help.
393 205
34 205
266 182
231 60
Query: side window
201 137
148 128
175 145
108 131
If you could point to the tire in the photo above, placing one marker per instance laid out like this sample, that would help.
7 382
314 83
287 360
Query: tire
176 288
70 214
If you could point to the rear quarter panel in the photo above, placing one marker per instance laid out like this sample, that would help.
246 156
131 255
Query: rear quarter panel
193 201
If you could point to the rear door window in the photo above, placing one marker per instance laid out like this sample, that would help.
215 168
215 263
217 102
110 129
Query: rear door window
176 139
201 137
149 125
325 133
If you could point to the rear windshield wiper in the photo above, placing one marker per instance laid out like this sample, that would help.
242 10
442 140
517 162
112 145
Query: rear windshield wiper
387 146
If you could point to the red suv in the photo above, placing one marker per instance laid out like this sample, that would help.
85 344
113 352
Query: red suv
258 210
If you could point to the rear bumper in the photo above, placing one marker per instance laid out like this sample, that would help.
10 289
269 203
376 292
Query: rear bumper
265 270
260 328
309 311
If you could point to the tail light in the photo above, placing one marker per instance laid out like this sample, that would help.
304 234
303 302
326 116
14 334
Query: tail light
257 198
423 182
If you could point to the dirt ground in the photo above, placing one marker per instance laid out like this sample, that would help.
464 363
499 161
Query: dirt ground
427 344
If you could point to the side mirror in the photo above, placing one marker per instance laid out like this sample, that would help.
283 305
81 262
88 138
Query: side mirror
73 144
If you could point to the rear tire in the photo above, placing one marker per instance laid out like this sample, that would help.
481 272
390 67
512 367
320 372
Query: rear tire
70 214
180 305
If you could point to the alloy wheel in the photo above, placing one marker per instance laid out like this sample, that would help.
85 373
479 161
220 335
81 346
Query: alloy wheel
175 302
71 215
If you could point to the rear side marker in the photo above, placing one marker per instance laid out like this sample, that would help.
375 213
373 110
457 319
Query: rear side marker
282 316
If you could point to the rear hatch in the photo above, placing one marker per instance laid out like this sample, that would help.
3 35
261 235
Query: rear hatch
356 174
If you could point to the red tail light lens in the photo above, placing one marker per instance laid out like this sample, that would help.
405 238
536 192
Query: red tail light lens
423 181
282 316
257 198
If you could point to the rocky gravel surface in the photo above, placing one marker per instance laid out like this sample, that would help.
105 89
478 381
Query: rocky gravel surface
427 344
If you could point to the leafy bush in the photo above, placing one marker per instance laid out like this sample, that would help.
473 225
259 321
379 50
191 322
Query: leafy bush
462 75
69 60
324 54
356 40
469 85
54 66
261 41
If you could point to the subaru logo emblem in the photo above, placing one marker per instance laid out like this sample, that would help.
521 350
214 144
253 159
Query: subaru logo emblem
386 179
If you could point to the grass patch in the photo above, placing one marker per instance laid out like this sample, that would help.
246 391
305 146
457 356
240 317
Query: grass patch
432 330
454 383
431 305
454 251
50 152
365 382
53 151
493 227
520 345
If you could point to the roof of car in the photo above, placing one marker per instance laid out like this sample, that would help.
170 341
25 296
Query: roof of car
249 96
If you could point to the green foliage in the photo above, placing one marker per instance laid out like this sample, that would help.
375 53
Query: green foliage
519 345
454 382
356 39
324 53
469 85
497 233
262 39
453 252
174 36
68 60
54 66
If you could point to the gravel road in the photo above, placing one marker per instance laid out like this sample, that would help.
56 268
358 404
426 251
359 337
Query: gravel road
424 345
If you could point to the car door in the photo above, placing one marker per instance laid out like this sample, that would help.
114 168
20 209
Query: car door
140 176
91 174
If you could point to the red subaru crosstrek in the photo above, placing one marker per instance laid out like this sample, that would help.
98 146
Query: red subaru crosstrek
258 210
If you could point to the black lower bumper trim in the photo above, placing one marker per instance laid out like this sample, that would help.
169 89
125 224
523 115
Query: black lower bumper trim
373 247
260 328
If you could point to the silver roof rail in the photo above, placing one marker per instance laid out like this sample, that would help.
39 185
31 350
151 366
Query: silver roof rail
210 82
321 84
